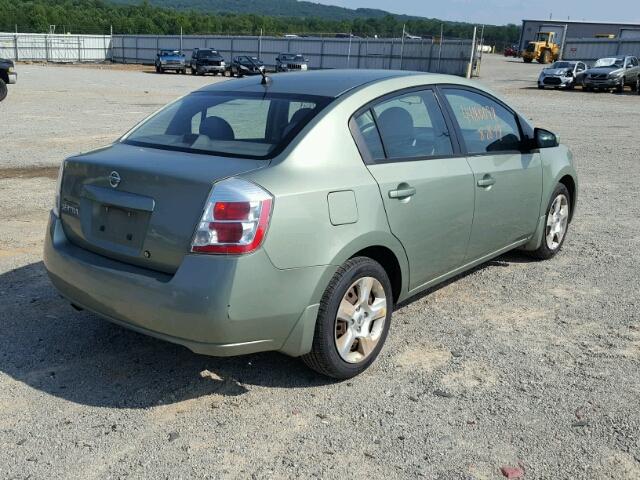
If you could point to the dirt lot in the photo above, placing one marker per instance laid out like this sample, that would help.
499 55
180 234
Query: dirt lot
518 363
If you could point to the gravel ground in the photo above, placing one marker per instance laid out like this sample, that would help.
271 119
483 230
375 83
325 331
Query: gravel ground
531 365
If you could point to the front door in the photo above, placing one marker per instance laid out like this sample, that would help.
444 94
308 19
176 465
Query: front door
507 181
426 186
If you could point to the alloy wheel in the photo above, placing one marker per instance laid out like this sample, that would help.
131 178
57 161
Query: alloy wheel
360 320
557 220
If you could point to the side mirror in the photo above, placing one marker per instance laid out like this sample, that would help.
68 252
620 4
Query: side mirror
544 138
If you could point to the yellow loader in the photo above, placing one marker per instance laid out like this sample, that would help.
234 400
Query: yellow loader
543 48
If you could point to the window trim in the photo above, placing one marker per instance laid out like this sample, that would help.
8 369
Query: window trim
463 145
365 153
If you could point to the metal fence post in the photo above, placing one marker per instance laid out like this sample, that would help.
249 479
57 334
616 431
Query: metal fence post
46 48
137 60
15 46
322 52
359 51
79 49
473 53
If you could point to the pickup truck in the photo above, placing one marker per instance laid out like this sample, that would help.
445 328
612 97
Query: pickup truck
7 75
171 60
613 73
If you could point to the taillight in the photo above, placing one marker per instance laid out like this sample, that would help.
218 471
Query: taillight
235 218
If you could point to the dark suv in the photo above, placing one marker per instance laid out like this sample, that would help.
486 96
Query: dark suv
206 60
613 73
286 62
7 75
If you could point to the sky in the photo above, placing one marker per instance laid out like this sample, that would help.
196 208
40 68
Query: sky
499 12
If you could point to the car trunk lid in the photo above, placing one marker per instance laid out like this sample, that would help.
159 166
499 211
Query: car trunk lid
140 205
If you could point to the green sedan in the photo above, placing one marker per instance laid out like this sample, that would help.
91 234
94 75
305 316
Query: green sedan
293 213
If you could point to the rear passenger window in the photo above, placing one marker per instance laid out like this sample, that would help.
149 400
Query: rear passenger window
370 135
485 124
412 125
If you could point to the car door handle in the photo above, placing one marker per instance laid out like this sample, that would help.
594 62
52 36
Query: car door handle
404 192
486 181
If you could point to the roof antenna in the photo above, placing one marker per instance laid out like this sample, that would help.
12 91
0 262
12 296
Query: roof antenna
265 78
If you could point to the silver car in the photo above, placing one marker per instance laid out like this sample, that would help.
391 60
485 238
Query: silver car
562 74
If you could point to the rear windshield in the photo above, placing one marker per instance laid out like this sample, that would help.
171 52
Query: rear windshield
237 124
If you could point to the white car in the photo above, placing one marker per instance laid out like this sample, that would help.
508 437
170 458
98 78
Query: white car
562 74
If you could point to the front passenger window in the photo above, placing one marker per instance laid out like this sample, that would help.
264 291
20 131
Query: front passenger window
486 125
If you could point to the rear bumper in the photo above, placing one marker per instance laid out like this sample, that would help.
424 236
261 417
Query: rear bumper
213 305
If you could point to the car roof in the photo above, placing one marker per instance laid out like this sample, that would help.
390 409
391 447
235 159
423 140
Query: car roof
324 83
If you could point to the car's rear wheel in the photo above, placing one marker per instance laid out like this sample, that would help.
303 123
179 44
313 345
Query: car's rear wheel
638 85
3 90
353 320
556 224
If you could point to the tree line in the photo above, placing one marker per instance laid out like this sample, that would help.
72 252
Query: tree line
99 17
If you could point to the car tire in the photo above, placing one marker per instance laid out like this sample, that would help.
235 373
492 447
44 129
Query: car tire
157 69
620 87
556 224
541 87
638 85
345 341
527 60
3 90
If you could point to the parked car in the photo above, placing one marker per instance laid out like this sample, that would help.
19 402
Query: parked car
246 65
8 75
286 62
232 237
613 73
206 60
511 51
171 60
562 74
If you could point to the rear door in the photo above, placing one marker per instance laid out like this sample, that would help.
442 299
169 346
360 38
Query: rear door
507 180
426 186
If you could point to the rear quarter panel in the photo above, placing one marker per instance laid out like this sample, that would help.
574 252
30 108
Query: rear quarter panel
323 159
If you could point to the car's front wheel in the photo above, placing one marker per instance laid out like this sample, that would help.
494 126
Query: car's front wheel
353 320
3 90
620 86
556 224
